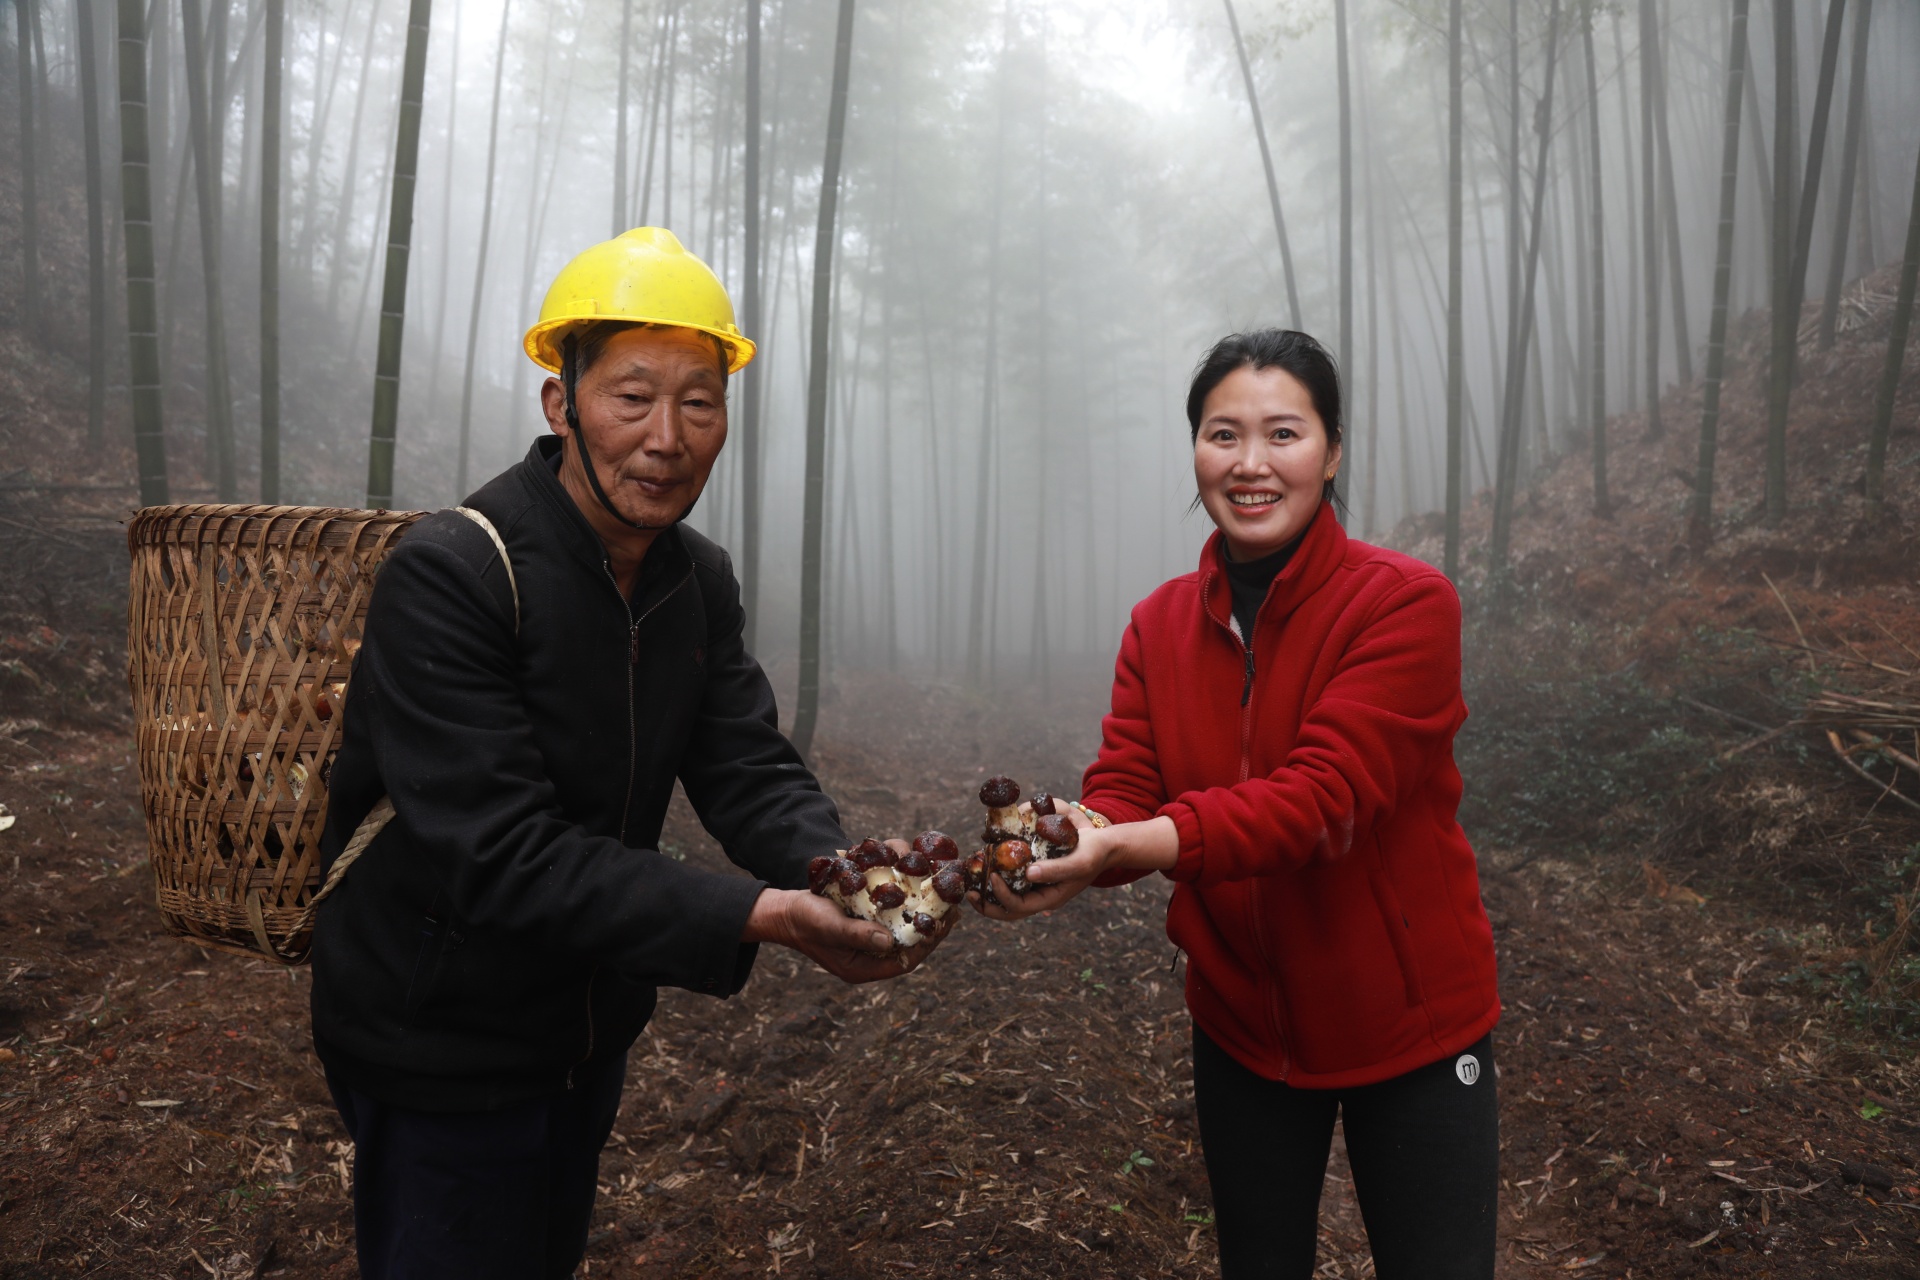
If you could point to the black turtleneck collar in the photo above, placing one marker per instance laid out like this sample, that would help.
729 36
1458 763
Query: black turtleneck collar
1251 579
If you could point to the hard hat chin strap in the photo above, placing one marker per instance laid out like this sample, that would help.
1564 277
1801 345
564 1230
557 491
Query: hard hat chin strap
569 377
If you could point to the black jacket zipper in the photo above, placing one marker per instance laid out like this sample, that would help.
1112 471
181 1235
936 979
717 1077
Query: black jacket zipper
633 749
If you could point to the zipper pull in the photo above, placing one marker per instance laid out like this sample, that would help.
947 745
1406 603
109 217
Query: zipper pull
1246 690
633 645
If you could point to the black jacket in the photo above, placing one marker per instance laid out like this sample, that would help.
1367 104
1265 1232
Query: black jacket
515 918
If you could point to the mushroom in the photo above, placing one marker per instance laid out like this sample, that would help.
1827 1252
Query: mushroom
887 896
1010 857
937 845
1042 805
949 884
914 863
1055 829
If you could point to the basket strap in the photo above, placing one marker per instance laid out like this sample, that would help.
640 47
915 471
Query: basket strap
382 813
513 585
370 826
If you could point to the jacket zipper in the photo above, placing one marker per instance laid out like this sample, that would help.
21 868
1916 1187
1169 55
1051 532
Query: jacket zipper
633 750
1255 914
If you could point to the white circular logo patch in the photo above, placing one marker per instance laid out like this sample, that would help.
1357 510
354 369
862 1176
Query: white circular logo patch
1467 1067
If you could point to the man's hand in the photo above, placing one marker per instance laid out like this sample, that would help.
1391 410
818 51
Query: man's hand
851 950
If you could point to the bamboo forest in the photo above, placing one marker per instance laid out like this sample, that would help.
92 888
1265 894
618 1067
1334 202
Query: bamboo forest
1514 679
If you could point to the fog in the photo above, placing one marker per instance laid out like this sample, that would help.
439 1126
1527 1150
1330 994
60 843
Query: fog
1048 210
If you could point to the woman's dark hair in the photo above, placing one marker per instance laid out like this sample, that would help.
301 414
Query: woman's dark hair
1300 354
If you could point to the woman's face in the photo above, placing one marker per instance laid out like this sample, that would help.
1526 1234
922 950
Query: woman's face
1260 460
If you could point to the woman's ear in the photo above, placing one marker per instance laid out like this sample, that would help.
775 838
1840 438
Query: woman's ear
1333 462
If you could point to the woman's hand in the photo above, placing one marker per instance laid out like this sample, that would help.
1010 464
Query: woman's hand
1153 845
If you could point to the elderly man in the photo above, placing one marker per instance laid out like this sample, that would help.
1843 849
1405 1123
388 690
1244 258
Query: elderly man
531 684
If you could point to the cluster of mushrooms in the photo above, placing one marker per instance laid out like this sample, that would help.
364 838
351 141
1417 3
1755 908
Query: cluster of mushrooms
911 892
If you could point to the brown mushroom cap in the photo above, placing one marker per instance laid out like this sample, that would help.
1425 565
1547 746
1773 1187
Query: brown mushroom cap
924 923
887 896
937 845
819 872
870 853
976 868
999 791
848 877
1057 831
914 863
1043 805
950 884
1011 855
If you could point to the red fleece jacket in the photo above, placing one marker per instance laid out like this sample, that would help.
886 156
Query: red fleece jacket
1326 898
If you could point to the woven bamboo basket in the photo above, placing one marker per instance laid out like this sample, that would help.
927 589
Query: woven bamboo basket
243 624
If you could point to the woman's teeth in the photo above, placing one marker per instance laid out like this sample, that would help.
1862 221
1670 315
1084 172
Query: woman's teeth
1253 499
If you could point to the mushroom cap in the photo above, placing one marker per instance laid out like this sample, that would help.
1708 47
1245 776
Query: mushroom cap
950 884
999 791
1043 804
819 872
848 877
1010 856
887 896
937 845
1057 831
871 853
914 863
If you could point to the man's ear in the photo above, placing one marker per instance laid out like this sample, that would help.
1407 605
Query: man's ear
553 404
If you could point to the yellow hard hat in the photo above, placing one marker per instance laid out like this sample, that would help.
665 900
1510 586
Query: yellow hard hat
645 276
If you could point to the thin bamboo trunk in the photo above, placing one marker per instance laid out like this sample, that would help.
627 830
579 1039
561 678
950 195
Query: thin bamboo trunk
1816 155
217 390
1266 163
1513 246
807 705
620 121
989 386
1630 319
136 200
656 74
1701 525
1650 238
751 376
1597 370
1897 330
29 178
443 276
1522 329
480 259
89 57
393 295
1456 294
270 165
1785 321
1366 460
343 207
1849 167
1670 214
1761 162
1345 251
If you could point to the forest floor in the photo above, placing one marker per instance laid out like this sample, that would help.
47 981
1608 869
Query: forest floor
1703 924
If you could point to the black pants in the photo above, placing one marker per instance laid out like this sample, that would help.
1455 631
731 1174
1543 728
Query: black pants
1425 1150
488 1195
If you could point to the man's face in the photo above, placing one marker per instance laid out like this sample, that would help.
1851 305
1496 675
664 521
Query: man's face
653 409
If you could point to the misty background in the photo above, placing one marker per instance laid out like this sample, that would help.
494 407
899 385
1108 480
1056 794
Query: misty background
1048 210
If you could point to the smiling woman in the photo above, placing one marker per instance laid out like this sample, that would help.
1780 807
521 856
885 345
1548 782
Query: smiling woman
1280 745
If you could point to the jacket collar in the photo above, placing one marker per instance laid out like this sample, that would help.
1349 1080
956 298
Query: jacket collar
580 539
1322 548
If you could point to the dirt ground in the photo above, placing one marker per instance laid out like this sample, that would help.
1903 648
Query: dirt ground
1670 1106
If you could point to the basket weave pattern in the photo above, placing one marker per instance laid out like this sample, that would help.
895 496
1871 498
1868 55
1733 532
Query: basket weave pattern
243 624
